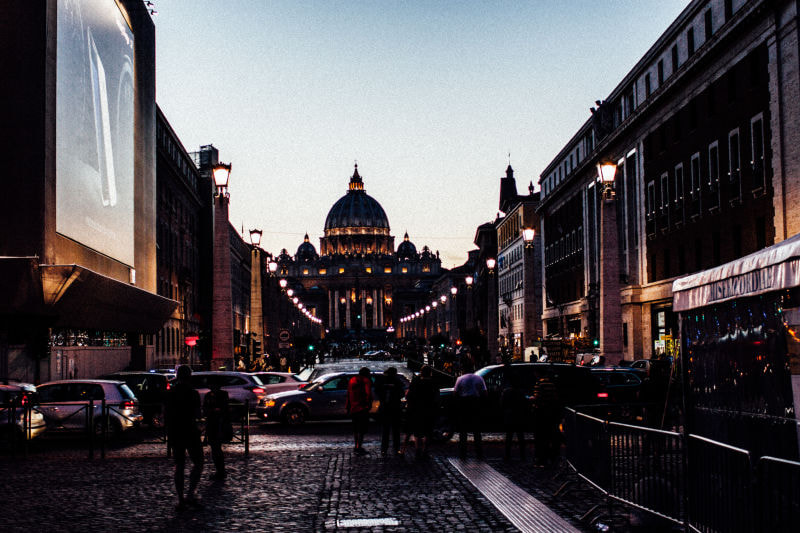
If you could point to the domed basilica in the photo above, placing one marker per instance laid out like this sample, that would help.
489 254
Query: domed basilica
358 284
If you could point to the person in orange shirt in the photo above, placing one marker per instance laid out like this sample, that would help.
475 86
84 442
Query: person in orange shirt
359 402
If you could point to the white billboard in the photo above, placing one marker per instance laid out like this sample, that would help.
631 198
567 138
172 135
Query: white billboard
94 127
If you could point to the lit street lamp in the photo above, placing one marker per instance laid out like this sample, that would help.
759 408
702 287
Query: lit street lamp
491 262
527 235
255 237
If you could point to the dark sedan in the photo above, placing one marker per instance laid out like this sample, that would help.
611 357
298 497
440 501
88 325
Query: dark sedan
323 399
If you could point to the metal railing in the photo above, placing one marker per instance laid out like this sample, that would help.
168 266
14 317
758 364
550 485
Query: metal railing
694 482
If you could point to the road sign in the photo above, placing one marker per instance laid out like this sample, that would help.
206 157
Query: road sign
283 335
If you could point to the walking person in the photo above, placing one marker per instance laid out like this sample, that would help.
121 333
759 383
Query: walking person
422 402
390 394
516 412
469 393
183 432
219 428
359 402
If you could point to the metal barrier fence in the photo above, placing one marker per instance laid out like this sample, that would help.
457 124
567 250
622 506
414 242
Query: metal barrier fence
700 484
100 423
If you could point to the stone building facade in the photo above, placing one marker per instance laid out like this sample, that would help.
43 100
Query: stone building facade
707 171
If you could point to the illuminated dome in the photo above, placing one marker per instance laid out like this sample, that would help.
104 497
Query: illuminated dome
306 251
356 224
356 209
406 250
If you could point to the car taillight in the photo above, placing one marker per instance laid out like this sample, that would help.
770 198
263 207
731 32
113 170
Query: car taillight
602 395
169 385
127 404
25 401
257 390
302 386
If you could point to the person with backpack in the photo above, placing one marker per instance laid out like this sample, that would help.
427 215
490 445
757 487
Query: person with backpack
359 402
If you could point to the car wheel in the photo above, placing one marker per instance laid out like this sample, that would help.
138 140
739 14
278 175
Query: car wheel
294 415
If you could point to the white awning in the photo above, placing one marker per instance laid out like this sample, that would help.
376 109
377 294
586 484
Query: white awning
770 269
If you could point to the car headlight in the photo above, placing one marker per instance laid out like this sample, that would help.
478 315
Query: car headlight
269 402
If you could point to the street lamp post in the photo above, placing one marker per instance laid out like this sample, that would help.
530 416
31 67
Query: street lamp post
256 302
492 319
222 314
610 302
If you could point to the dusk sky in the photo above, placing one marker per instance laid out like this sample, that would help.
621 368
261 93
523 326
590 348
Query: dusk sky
429 97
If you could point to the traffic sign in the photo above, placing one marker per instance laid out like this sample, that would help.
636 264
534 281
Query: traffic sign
283 335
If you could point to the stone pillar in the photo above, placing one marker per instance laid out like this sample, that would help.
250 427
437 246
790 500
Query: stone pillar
222 314
610 302
363 296
380 303
375 307
336 323
348 316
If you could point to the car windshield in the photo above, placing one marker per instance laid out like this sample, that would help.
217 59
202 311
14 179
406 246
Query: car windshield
126 392
304 375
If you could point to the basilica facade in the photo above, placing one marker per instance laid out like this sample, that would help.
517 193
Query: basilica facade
358 283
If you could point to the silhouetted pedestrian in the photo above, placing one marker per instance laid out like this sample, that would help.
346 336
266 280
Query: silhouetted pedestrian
218 426
359 402
183 411
469 393
546 417
516 413
390 394
422 401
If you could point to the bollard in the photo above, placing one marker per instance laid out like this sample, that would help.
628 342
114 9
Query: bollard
90 427
246 431
104 413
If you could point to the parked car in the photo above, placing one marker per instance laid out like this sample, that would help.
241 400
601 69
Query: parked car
313 373
65 405
15 400
150 388
278 381
325 398
619 384
242 387
574 384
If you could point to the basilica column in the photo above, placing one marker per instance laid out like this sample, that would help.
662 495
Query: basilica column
375 308
380 303
347 318
363 296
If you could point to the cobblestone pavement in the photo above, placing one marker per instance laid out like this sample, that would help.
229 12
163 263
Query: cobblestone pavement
292 480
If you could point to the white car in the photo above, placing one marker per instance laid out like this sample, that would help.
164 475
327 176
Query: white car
16 400
65 405
242 387
278 381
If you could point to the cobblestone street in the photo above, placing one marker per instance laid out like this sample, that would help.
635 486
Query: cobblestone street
305 482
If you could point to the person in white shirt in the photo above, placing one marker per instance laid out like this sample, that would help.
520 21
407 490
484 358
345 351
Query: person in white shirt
469 392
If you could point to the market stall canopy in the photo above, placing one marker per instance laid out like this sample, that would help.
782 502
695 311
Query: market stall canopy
770 269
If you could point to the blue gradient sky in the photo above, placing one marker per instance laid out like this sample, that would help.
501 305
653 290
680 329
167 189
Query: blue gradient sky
428 96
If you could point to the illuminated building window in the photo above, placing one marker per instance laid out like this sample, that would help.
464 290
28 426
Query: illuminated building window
323 271
387 270
305 272
369 270
405 270
426 268
341 270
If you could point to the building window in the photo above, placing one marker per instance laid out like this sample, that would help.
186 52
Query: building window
713 174
708 24
674 58
404 270
387 270
694 169
651 207
728 10
679 193
369 270
647 85
757 141
305 272
323 271
664 209
660 71
341 270
426 268
690 41
734 166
